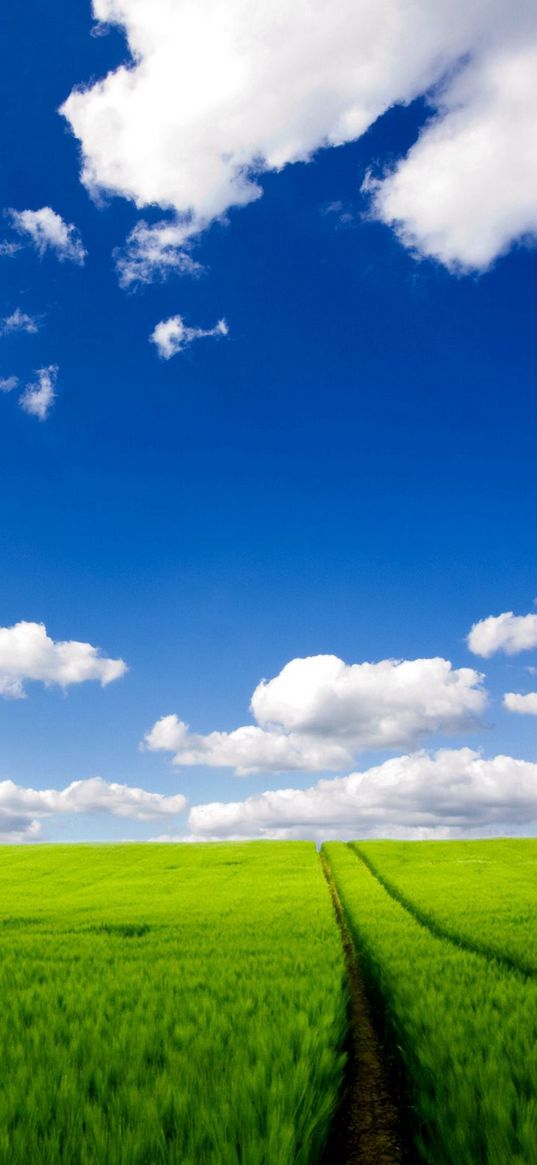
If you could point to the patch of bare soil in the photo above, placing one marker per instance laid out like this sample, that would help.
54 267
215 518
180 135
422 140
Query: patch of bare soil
367 1128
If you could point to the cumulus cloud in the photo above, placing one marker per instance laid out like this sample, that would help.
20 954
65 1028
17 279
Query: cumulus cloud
468 188
173 335
19 321
8 383
93 795
15 828
515 702
248 749
22 808
216 94
38 397
28 653
154 252
507 632
449 793
47 231
320 712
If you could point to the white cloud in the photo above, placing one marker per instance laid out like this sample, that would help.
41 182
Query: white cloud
507 632
15 828
452 792
8 383
248 749
90 796
320 712
218 93
468 188
38 397
47 230
154 252
28 653
515 702
19 321
173 335
22 808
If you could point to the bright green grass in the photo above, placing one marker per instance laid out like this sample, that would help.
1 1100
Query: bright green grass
167 1004
466 1027
481 892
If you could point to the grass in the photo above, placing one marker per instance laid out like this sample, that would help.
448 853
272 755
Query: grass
177 1005
187 1005
466 1026
480 893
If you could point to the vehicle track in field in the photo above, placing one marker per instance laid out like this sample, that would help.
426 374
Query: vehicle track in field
504 962
367 1126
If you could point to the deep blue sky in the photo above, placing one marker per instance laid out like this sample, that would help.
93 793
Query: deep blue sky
351 471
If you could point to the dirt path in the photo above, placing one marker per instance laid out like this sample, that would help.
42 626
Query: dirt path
366 1128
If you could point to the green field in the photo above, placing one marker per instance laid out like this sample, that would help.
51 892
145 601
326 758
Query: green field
187 1005
176 1004
465 1024
481 893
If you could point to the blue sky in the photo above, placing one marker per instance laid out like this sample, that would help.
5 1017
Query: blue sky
350 471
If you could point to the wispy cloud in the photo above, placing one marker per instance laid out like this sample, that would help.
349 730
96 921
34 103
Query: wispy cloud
47 231
39 396
343 214
8 383
19 321
9 249
173 335
153 252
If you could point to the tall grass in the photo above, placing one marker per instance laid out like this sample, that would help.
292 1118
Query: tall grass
482 893
181 1005
467 1028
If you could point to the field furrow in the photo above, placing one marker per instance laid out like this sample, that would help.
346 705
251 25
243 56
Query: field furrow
367 1127
466 1028
481 895
446 928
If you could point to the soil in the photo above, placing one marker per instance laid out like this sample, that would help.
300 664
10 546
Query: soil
367 1127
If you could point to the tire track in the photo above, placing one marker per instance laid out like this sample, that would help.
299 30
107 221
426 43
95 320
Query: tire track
437 930
366 1129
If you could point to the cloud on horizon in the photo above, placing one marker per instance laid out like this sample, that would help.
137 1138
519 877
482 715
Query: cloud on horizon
27 654
217 95
449 793
22 808
320 713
